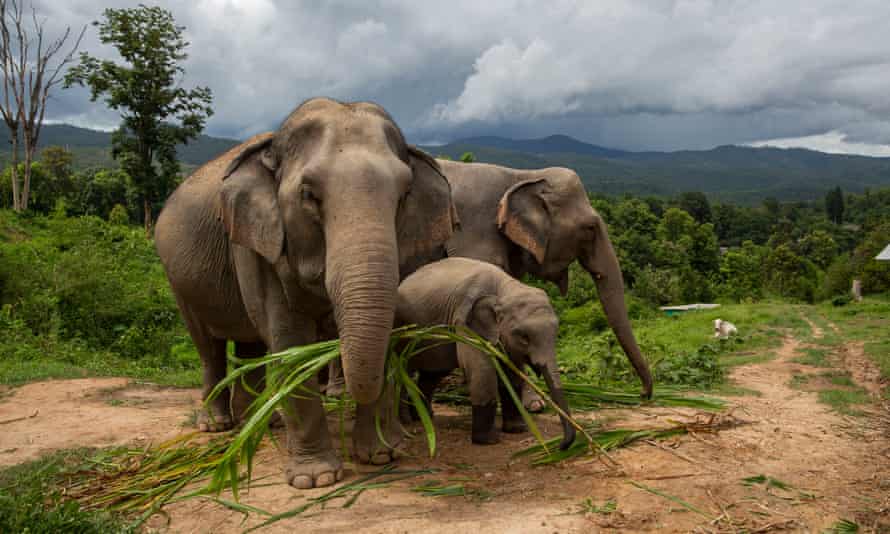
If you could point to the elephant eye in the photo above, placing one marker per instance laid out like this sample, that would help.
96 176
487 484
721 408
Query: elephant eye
521 337
309 200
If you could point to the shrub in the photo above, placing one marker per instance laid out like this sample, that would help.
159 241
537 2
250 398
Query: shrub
658 286
82 278
119 216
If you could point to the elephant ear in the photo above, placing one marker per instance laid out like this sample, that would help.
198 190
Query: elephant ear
480 314
523 216
249 200
427 217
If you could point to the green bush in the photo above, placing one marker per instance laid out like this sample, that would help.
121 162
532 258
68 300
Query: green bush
76 290
658 287
119 216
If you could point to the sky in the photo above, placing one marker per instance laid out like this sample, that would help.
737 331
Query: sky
642 75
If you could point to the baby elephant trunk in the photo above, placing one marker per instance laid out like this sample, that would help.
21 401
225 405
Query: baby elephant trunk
551 375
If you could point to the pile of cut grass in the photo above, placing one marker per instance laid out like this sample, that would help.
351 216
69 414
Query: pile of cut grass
141 482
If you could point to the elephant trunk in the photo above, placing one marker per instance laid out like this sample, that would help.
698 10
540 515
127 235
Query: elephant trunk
600 261
550 373
362 279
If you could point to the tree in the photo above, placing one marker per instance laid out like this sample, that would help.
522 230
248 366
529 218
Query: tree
697 205
157 114
819 247
30 72
467 157
834 205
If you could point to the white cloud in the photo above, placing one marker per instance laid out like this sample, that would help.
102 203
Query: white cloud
664 74
832 142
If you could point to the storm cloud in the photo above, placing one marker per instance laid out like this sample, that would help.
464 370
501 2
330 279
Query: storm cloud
636 75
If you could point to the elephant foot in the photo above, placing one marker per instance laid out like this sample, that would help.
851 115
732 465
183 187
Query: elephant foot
486 438
214 423
516 426
531 400
276 421
377 453
335 388
307 471
369 449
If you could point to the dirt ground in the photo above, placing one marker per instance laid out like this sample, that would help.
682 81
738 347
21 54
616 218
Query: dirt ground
837 466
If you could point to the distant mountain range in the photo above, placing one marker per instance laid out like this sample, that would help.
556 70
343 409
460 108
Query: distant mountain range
731 173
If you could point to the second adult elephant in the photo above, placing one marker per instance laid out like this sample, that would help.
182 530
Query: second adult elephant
538 222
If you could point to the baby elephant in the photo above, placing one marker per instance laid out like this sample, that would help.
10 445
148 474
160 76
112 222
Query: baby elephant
485 299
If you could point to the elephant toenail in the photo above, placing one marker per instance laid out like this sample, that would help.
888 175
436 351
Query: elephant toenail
301 482
325 479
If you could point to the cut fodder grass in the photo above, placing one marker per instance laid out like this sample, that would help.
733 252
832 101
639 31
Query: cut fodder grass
288 371
349 492
596 440
587 397
141 481
584 397
437 488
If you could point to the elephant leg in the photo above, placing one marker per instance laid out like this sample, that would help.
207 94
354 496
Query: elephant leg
366 442
336 383
512 419
216 415
312 460
482 381
530 399
255 381
427 383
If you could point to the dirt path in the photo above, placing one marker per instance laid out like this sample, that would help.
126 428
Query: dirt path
97 412
838 467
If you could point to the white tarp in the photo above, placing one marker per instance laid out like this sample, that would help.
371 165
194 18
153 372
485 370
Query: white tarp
884 255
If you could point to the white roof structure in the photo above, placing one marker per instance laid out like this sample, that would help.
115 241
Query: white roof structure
884 255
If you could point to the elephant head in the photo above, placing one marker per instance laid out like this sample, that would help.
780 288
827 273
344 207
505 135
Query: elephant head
550 217
527 327
338 195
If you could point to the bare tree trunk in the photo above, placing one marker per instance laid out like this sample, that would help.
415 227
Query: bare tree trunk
26 178
28 76
14 171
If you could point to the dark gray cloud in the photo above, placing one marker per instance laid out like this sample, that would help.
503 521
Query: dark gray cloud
640 75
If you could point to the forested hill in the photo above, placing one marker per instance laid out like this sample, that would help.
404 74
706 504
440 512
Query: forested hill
93 147
734 173
730 173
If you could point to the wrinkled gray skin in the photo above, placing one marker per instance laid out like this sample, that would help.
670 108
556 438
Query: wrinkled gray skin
479 296
265 241
538 222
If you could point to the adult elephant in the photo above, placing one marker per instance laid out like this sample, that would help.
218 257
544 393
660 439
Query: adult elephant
265 241
538 222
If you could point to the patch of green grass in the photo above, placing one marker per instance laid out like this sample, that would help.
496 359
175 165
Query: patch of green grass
844 400
31 502
814 357
866 321
798 381
746 358
839 378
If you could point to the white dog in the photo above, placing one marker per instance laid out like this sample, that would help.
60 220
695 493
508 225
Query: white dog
723 329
